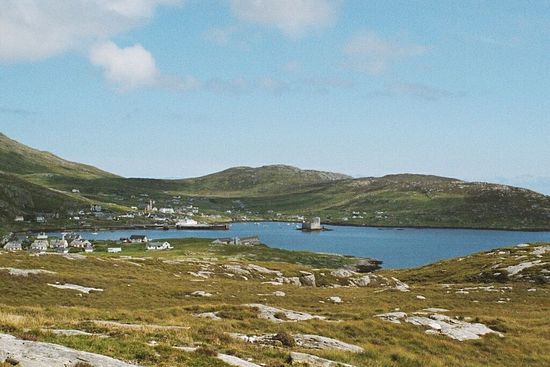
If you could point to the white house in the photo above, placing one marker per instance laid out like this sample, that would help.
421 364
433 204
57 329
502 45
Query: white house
19 218
79 243
114 249
166 210
40 219
39 246
158 246
13 246
62 243
89 249
138 238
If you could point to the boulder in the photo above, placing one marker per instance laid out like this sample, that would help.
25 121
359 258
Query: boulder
38 354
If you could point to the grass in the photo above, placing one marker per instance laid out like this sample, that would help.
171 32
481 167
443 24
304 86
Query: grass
153 288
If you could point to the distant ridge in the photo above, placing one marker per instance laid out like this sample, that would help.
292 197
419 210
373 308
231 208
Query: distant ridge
33 181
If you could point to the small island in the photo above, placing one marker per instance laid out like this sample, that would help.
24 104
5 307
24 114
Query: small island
313 225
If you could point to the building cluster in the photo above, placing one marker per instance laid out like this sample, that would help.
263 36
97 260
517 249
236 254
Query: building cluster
42 243
244 241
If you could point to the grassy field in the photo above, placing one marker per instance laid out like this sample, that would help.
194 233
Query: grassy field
154 290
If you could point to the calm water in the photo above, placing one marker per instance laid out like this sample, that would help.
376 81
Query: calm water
396 248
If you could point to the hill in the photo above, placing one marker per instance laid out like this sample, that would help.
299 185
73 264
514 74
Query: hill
20 197
260 180
275 192
22 160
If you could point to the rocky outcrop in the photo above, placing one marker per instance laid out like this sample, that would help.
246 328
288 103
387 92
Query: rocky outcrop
304 359
38 354
76 287
236 361
275 314
208 315
309 341
441 324
201 294
26 272
263 270
307 279
515 269
237 270
322 342
342 273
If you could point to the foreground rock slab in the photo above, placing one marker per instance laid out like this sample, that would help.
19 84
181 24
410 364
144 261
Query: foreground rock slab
236 361
302 340
76 287
39 354
442 324
26 272
304 359
273 314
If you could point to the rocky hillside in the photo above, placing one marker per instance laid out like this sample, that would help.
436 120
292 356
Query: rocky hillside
200 304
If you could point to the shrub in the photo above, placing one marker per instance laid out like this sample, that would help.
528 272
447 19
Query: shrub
285 338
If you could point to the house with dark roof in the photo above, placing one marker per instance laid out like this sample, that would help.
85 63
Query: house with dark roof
138 238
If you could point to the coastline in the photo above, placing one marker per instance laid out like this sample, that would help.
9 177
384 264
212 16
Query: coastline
335 224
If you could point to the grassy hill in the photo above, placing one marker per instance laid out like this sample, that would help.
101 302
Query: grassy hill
258 181
145 308
18 197
261 193
20 159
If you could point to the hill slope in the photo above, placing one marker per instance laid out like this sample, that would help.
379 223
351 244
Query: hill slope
261 193
20 197
260 180
23 160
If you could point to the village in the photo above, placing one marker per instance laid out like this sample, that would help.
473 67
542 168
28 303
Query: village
74 243
174 211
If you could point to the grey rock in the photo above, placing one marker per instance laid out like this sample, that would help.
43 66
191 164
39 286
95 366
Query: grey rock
38 354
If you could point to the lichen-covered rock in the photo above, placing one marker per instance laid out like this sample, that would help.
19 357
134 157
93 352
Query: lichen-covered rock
307 279
38 354
342 273
309 360
281 315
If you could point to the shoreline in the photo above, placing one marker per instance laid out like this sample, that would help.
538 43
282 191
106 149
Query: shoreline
336 224
343 224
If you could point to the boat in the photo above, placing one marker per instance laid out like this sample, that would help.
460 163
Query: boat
188 223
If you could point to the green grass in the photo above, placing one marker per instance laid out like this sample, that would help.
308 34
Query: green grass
30 176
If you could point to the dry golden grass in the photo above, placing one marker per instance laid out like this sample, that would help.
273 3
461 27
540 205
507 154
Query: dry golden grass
152 294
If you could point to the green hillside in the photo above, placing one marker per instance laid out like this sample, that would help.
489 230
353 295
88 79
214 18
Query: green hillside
23 160
20 197
262 180
273 192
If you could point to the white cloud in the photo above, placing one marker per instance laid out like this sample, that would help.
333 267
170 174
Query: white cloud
292 17
369 52
128 68
37 29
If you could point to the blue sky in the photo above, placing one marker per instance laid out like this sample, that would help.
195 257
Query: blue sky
168 88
